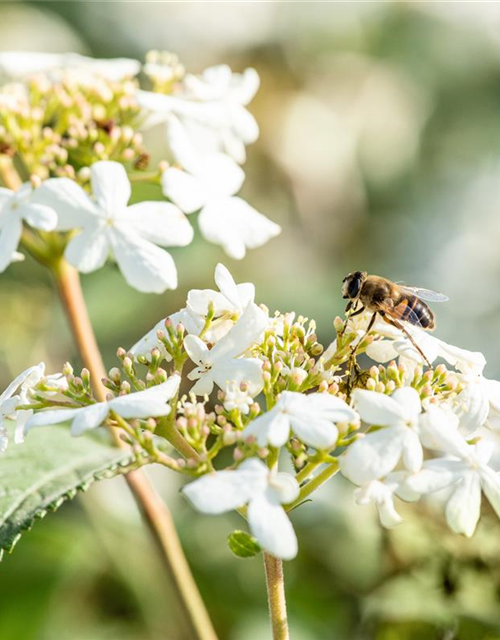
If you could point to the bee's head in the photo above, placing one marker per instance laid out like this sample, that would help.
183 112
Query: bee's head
352 284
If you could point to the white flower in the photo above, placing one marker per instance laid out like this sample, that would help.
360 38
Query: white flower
23 64
228 303
9 400
237 398
312 418
16 206
263 490
376 454
209 183
150 341
211 110
221 364
108 225
466 473
382 492
150 403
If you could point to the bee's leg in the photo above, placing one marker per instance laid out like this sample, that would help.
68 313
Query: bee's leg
356 313
401 327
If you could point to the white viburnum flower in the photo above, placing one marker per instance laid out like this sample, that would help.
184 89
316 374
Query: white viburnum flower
376 454
16 207
109 226
17 65
211 110
264 491
209 183
150 403
237 398
222 364
228 303
16 394
466 472
382 492
312 418
143 347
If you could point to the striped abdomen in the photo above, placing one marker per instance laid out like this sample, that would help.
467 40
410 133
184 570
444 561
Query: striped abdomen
413 310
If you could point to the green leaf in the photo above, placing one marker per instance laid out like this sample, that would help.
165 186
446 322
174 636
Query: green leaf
243 545
49 468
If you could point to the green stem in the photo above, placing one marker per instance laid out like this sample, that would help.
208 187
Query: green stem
313 484
276 597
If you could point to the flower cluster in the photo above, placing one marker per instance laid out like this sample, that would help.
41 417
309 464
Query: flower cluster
223 375
71 134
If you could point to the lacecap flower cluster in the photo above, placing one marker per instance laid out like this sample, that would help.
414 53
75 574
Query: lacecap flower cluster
223 375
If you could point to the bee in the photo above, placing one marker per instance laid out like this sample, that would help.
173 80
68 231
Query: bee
397 304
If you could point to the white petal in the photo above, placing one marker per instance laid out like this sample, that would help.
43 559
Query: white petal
435 475
409 400
110 185
236 226
464 360
204 386
90 417
221 175
196 349
373 456
159 222
151 402
47 418
270 525
316 432
88 251
225 490
31 375
271 428
439 431
243 335
382 351
413 454
285 487
378 409
491 486
39 216
475 405
464 506
144 266
73 206
238 370
186 191
493 391
318 405
227 286
10 234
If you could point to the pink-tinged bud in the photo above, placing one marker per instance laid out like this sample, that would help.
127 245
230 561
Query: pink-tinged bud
229 438
163 166
428 375
127 363
161 375
121 353
125 387
205 431
77 382
374 372
266 376
298 376
263 453
426 391
151 424
323 386
221 421
380 387
266 366
371 385
278 367
338 324
192 424
237 455
67 369
191 463
182 423
390 386
440 370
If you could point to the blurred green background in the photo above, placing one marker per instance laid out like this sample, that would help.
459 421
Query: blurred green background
379 150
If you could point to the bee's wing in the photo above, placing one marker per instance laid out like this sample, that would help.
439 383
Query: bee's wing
425 294
401 313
